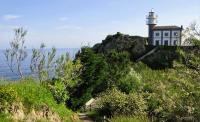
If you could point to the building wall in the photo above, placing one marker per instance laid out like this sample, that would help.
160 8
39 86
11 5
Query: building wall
177 37
167 37
157 37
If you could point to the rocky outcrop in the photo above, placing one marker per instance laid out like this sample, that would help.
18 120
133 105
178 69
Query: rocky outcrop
135 45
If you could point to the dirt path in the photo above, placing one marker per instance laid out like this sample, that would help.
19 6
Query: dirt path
84 117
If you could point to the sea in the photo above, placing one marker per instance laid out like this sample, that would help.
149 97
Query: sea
7 74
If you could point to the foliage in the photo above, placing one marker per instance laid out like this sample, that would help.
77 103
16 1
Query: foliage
114 103
40 65
34 95
59 91
191 57
68 71
171 94
93 77
7 97
118 65
192 33
166 94
162 58
17 52
129 83
98 73
66 78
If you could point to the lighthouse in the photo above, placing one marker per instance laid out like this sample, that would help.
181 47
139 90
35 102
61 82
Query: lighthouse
151 22
162 35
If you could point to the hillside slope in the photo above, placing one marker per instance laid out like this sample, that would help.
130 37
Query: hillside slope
30 101
166 81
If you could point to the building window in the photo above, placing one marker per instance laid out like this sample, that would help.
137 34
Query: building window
157 34
175 42
166 34
157 42
166 42
175 33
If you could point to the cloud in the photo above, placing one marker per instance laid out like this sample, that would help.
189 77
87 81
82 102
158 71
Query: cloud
11 17
68 27
63 18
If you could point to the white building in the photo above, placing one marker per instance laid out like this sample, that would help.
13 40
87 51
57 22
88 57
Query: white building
163 35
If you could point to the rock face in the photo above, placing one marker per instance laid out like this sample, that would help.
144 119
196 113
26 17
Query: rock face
135 45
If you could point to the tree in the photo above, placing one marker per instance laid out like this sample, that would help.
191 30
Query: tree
40 65
66 78
118 65
93 76
17 52
192 33
67 70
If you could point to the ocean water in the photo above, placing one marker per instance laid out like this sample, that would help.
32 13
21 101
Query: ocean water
6 73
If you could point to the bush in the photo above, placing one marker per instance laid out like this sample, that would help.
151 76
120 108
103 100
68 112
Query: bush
59 91
7 97
130 83
114 102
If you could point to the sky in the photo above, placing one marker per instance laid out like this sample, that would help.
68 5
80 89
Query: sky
76 23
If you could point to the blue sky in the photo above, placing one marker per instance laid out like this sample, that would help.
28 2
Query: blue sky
74 23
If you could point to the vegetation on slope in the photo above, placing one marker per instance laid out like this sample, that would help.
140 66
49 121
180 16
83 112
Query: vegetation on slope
162 87
27 100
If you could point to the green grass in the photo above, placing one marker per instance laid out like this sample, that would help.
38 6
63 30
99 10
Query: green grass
34 95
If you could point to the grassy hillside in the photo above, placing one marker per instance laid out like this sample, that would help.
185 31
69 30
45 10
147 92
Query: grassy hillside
27 100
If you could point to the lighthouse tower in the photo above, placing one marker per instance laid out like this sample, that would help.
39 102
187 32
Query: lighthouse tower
151 22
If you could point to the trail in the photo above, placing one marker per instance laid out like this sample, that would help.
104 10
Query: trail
84 117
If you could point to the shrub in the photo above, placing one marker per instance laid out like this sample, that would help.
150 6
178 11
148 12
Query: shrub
114 102
59 91
131 82
118 65
7 97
